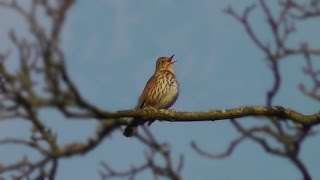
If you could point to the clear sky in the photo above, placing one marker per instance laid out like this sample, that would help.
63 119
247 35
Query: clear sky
111 47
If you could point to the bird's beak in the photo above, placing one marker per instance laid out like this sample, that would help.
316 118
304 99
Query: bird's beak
170 58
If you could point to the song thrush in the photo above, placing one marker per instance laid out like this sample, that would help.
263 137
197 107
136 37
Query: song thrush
160 92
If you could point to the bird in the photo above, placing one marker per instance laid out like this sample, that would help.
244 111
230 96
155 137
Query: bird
160 92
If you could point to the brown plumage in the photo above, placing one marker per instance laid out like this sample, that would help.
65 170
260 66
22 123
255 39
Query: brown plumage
160 92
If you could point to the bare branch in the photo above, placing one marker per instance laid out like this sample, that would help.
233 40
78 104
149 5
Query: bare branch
224 154
246 111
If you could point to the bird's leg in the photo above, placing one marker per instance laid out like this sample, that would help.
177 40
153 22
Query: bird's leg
168 112
150 109
171 110
162 110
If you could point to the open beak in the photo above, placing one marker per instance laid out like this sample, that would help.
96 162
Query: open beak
170 58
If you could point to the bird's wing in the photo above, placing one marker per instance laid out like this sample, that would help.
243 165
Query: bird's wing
146 90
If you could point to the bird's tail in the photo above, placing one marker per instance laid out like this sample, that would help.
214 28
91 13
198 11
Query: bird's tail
129 131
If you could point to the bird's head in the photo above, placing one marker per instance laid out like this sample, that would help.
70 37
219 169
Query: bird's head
165 63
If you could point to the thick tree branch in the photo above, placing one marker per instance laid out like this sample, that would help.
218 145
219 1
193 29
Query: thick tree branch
169 115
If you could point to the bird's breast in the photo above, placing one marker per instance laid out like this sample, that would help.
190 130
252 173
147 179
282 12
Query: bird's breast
164 92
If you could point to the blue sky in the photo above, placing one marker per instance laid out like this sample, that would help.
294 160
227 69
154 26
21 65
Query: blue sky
111 47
